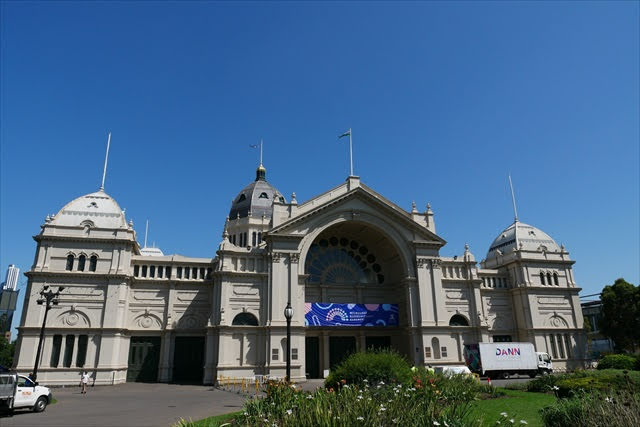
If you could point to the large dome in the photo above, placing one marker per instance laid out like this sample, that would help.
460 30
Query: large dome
522 236
96 209
256 198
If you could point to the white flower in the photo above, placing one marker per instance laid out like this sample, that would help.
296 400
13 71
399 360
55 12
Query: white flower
498 422
523 422
359 397
555 387
381 383
309 397
346 386
360 418
512 421
293 386
265 420
445 424
435 423
289 411
395 420
504 414
364 381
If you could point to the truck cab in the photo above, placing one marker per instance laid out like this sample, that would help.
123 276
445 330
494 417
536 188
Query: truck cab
545 365
18 391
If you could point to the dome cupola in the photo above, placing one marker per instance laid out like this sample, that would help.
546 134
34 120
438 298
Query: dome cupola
97 209
521 236
256 198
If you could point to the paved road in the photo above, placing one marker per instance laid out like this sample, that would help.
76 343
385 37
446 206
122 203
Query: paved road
131 404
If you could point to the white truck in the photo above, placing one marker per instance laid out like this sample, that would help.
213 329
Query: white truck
501 359
18 392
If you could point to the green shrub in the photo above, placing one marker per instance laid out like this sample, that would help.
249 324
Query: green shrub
544 383
594 409
617 361
373 366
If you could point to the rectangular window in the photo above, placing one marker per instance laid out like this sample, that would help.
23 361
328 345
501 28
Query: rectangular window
502 338
68 350
294 354
81 357
274 354
160 271
187 271
168 272
567 344
194 273
152 271
443 351
179 272
554 351
55 351
144 271
136 270
208 273
202 273
427 352
560 346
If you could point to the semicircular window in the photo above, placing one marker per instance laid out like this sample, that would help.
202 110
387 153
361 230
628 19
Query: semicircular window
263 195
458 320
342 261
245 319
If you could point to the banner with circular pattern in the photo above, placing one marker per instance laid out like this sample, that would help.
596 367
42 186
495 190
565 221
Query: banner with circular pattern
332 314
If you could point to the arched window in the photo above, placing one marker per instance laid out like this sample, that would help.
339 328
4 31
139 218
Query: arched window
549 282
342 261
435 344
245 319
542 278
458 320
81 262
93 262
69 262
263 196
555 279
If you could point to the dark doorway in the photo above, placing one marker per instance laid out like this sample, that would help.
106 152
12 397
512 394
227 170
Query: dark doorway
312 357
144 356
188 360
378 343
340 348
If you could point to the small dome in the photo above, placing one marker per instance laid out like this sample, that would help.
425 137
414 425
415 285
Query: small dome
256 198
521 236
96 210
151 251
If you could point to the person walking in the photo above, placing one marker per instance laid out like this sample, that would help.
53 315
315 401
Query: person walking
84 381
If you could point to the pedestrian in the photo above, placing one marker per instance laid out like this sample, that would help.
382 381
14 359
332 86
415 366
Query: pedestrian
84 381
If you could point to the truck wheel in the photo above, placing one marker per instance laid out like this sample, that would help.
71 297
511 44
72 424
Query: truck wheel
41 403
532 374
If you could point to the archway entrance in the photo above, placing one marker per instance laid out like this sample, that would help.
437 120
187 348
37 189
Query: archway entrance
355 296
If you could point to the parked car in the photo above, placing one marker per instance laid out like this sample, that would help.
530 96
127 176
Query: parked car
17 391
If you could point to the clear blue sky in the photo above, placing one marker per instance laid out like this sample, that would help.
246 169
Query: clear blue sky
444 100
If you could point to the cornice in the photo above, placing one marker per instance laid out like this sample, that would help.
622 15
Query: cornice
75 274
45 237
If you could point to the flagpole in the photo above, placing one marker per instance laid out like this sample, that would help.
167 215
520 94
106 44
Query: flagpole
260 151
106 159
513 200
351 151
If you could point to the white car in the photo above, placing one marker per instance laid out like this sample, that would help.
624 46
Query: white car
450 371
17 391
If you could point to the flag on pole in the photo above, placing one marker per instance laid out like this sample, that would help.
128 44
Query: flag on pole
253 145
347 133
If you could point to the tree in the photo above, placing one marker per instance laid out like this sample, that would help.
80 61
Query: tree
6 352
621 314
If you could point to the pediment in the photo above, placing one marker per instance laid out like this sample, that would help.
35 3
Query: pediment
357 204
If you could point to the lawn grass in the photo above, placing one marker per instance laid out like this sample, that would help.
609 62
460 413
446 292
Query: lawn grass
519 405
214 421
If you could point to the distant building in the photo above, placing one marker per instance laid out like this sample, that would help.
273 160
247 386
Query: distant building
598 344
11 281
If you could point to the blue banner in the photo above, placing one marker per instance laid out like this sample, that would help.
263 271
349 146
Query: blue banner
328 314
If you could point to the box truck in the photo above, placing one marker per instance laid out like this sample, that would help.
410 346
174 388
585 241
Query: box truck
501 359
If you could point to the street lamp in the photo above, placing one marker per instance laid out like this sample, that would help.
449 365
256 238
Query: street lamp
288 314
47 297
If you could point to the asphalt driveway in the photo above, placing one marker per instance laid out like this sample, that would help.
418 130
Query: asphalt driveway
130 404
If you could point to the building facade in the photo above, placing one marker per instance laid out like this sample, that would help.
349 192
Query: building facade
358 270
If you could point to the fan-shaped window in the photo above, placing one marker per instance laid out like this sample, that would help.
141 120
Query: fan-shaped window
542 278
245 319
93 262
341 261
263 195
69 262
242 198
81 262
458 320
555 279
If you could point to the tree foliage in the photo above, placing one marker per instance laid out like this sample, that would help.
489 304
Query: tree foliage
6 352
621 314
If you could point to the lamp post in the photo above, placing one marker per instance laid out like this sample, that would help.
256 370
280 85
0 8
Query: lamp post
47 297
288 314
